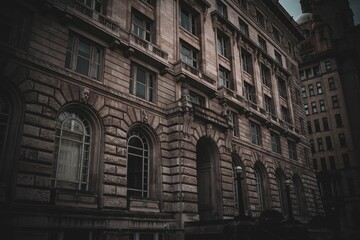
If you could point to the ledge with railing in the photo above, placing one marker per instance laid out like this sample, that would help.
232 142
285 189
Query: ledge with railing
73 5
148 46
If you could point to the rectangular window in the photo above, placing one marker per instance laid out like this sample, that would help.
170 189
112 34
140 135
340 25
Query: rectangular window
285 114
312 145
322 106
255 132
342 140
311 90
346 160
197 99
278 57
323 164
328 66
319 88
269 105
260 18
276 33
83 56
15 25
188 20
142 83
325 124
338 121
317 125
221 8
282 88
306 109
332 163
246 61
313 107
302 127
189 55
249 92
320 144
315 164
275 142
292 150
142 26
265 75
242 3
309 73
223 44
335 101
328 143
351 186
309 127
303 91
331 84
302 75
224 77
244 29
316 70
262 44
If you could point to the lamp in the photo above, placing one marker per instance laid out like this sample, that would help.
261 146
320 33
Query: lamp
238 171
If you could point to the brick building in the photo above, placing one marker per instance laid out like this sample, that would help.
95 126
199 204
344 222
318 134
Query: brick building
128 119
329 72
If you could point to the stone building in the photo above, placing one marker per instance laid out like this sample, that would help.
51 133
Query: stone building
329 72
126 119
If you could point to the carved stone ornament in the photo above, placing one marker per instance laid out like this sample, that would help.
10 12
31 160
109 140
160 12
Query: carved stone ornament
145 114
188 119
228 140
185 94
235 148
85 94
209 129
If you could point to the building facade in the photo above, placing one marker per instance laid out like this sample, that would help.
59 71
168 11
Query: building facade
329 72
128 119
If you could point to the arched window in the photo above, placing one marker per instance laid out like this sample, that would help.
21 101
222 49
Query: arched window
260 189
10 120
300 195
72 151
4 122
138 164
280 179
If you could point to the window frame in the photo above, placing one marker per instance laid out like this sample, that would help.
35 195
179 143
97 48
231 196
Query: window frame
146 166
223 44
146 26
255 133
150 83
247 62
224 77
191 58
275 142
292 150
72 57
192 17
266 75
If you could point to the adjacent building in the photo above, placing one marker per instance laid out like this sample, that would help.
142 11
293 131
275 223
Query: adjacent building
329 72
127 119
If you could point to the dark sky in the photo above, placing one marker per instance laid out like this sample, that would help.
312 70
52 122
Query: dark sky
293 7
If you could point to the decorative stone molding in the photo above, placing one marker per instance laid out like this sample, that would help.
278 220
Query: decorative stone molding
228 139
188 119
209 129
145 116
84 95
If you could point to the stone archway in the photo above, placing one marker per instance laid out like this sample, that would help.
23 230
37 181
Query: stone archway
208 186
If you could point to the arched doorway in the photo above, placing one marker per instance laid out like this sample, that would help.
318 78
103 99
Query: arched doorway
208 186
